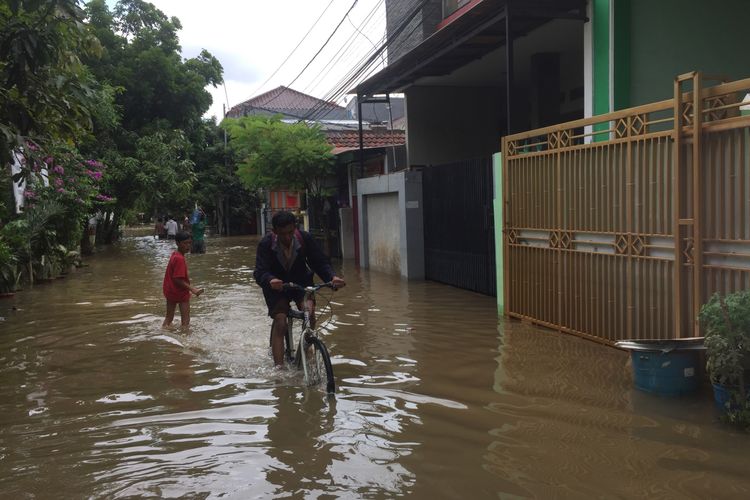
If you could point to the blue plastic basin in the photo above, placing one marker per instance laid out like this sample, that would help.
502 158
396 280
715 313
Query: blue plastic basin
670 373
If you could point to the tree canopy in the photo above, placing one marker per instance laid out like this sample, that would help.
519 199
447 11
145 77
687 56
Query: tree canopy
273 154
160 99
47 94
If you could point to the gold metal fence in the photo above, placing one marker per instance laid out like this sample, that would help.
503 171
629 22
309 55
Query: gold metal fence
607 219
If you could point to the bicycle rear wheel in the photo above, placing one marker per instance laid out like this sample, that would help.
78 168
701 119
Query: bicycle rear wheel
319 368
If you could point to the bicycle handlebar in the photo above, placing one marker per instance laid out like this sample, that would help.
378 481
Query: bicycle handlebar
314 288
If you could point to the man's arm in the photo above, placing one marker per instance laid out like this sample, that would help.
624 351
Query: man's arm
262 273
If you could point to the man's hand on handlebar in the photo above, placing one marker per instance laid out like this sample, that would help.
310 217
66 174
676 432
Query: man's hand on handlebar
338 282
276 284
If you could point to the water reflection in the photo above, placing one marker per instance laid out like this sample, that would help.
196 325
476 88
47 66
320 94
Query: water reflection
436 398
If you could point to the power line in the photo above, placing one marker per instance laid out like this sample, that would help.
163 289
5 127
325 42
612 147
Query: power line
363 68
367 66
326 42
294 49
347 49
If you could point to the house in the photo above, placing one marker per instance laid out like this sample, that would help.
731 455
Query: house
473 71
381 151
331 220
290 104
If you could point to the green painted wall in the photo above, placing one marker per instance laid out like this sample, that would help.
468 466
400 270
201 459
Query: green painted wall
671 37
497 173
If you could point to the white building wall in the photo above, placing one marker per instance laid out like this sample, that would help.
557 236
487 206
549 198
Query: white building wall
383 232
391 230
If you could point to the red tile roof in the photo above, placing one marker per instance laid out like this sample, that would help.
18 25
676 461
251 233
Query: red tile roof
348 140
286 101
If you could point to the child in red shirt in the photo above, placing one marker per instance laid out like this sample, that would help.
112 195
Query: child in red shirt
176 284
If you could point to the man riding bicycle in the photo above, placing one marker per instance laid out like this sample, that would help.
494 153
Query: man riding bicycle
288 255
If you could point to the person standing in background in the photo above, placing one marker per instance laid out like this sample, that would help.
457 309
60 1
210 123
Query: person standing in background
159 230
171 226
199 233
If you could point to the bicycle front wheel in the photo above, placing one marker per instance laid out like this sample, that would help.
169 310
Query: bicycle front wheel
319 368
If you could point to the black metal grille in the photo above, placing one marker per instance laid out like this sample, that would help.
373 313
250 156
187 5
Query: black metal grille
459 225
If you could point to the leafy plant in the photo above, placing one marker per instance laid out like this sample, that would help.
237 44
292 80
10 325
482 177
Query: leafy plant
726 320
9 274
33 239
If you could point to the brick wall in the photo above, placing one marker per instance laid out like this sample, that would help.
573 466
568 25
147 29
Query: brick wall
421 27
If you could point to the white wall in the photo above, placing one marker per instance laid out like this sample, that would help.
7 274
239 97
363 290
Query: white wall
383 232
391 229
346 230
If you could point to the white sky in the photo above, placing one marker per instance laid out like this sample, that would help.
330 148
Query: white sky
251 38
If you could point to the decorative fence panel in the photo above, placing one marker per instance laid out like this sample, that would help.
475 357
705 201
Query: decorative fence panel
601 235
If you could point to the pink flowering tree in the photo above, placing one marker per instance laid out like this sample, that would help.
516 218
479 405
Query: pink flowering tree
62 176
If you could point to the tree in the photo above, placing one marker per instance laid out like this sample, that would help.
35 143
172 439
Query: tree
272 154
159 98
159 176
141 57
217 184
46 93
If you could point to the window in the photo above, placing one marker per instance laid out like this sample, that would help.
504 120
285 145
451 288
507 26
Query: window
451 6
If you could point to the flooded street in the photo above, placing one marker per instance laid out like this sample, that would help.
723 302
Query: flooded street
436 397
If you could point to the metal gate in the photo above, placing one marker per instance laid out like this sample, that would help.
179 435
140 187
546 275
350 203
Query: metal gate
459 236
620 226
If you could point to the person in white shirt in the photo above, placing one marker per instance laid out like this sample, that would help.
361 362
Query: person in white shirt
171 226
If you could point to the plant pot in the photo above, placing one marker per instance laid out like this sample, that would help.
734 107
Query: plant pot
723 395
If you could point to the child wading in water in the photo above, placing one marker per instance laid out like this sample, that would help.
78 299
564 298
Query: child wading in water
176 285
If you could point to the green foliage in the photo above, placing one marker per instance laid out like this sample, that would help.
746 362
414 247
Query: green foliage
726 321
272 154
9 274
104 84
46 93
215 173
159 174
157 100
160 90
7 201
33 239
71 182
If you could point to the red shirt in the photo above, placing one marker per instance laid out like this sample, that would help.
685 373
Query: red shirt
177 268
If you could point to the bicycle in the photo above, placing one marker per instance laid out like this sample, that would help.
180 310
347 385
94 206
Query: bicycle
316 362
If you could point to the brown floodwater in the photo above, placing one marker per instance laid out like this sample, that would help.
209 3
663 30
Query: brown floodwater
437 398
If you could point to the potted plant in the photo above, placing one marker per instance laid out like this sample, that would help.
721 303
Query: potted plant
726 322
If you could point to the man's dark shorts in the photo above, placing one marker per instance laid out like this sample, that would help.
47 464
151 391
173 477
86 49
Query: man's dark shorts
278 302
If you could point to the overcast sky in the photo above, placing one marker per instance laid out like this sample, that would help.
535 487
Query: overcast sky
251 38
